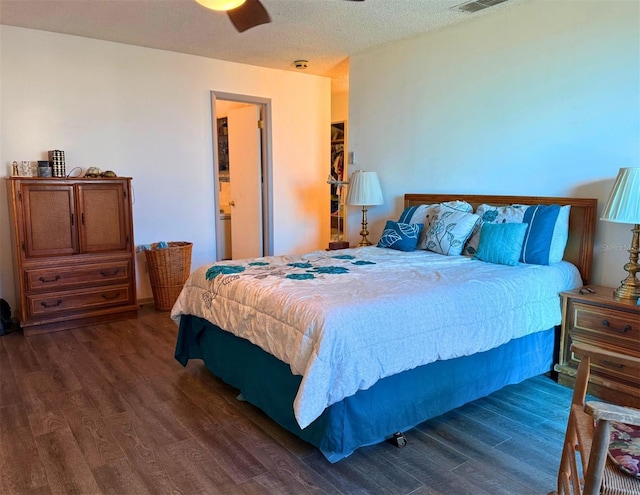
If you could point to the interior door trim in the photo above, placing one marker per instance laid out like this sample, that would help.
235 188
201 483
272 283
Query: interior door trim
264 104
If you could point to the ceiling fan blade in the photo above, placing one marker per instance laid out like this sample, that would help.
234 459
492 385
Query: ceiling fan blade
249 14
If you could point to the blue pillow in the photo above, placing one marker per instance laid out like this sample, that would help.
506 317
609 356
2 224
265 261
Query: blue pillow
501 243
541 222
401 236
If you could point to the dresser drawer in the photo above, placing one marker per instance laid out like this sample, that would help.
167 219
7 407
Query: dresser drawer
50 303
62 278
606 326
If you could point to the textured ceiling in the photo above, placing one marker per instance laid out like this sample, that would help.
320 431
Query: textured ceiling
324 32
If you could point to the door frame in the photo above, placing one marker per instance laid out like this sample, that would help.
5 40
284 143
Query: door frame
264 105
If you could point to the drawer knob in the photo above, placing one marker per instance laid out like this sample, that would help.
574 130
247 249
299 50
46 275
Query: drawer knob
613 365
45 305
624 329
105 273
54 279
113 296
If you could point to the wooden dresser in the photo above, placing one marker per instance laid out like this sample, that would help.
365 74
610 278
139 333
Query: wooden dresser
598 319
74 256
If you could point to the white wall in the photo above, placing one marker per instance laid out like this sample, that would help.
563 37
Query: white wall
542 98
147 114
339 106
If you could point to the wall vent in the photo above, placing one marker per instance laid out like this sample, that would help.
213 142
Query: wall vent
477 5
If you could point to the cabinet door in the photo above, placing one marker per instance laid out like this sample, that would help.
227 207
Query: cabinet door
104 213
49 220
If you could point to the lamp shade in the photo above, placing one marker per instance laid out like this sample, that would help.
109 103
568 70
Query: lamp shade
624 203
364 189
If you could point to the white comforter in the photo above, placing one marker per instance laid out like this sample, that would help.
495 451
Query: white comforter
344 331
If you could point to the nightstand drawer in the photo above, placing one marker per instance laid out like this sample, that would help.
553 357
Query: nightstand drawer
606 369
606 325
595 317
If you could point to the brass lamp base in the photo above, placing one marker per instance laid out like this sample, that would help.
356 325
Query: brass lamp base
364 232
622 294
629 290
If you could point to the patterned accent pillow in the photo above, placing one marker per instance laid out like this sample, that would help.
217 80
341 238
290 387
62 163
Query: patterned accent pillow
493 214
449 230
624 448
424 214
501 243
401 236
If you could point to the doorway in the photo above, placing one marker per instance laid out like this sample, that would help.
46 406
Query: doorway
242 175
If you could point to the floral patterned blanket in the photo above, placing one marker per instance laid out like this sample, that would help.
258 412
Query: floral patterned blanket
344 319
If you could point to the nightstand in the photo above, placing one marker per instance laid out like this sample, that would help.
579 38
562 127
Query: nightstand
598 319
335 245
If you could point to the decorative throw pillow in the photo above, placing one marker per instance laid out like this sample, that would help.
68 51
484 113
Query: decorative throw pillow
423 213
541 221
401 236
449 230
493 214
417 214
501 243
560 235
624 448
458 205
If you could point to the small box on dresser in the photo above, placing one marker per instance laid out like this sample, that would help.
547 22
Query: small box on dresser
74 258
596 318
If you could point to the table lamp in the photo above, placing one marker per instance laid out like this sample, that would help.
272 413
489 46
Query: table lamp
364 190
624 207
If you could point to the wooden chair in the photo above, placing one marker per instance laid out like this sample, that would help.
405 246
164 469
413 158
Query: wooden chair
588 433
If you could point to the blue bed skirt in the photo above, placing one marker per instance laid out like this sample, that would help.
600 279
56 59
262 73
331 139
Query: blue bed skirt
393 404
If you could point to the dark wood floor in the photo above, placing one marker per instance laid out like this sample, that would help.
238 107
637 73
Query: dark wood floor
107 410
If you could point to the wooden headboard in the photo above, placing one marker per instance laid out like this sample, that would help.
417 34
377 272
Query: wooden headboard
582 220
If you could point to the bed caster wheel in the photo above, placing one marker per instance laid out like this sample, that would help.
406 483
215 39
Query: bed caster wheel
398 439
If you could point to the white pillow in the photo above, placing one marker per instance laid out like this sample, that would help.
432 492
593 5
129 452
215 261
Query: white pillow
449 230
424 214
560 235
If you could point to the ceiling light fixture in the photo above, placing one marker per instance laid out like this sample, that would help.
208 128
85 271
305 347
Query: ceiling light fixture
221 4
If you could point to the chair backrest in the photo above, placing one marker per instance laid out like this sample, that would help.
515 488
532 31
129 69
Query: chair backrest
584 439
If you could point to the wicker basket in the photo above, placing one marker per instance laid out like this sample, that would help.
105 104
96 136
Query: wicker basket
169 269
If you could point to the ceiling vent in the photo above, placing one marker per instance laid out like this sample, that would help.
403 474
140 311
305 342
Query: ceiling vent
477 5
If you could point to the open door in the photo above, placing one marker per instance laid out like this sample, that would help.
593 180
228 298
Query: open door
245 179
242 149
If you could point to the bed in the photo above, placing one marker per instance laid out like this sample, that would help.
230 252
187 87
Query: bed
345 348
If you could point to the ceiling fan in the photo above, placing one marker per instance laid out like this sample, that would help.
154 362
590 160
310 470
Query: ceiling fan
244 14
